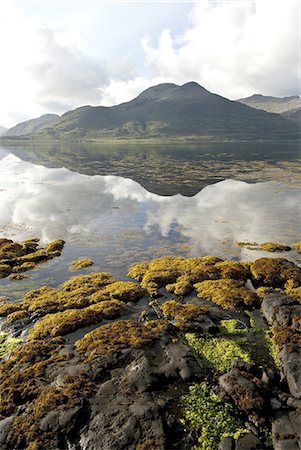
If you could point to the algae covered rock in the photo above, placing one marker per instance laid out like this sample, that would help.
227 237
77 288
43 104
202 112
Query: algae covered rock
61 323
81 264
76 293
274 272
117 336
229 294
179 275
19 257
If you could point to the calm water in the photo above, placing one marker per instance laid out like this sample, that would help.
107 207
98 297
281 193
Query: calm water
117 220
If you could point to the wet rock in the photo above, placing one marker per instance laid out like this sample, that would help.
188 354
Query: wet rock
248 442
291 366
247 391
5 426
227 443
286 431
273 303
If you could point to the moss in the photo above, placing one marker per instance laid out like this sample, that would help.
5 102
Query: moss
212 419
287 336
26 433
183 314
179 274
7 344
274 272
55 246
114 337
17 276
265 246
297 247
18 257
5 270
17 315
24 267
273 247
65 322
152 442
271 346
228 294
81 264
293 289
229 326
217 352
182 286
121 290
264 291
76 293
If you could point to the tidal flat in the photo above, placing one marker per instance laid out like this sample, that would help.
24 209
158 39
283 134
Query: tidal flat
180 328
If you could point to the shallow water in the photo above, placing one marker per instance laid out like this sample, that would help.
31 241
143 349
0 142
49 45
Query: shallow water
116 221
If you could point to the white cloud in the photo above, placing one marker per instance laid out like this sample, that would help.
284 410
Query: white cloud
40 71
234 48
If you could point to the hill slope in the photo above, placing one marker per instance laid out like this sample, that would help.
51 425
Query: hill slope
2 130
32 125
168 111
286 106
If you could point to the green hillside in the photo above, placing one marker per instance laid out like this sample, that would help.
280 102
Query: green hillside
31 126
167 112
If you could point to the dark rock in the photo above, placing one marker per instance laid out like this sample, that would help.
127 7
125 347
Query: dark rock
227 443
291 366
5 426
247 391
286 431
248 442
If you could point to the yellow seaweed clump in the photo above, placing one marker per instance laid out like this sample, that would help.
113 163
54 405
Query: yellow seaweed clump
274 247
297 247
229 294
81 264
117 336
61 323
181 312
274 272
179 274
18 257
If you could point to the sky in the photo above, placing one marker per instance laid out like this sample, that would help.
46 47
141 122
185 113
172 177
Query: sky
57 55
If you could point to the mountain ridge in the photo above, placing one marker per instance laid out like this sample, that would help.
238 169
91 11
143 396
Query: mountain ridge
286 106
170 112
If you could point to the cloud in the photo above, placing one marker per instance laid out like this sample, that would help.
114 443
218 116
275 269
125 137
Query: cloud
233 48
39 72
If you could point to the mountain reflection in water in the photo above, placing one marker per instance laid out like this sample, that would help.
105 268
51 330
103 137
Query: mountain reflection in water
58 203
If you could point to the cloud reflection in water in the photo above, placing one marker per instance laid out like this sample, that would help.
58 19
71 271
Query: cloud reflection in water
52 203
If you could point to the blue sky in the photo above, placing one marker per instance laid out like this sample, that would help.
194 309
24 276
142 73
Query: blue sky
62 54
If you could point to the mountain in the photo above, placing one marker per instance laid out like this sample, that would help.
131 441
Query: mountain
167 112
2 130
31 126
287 106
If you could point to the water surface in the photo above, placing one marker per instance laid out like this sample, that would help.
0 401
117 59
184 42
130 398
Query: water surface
116 221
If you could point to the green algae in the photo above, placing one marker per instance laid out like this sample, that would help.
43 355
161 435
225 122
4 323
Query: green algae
217 353
211 418
7 344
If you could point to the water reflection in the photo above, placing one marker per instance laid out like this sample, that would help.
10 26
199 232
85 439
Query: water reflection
95 211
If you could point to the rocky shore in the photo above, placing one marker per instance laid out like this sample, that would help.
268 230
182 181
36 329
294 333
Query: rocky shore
195 353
